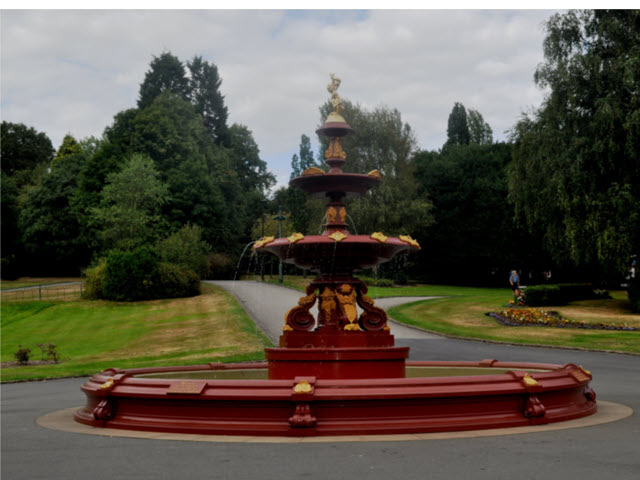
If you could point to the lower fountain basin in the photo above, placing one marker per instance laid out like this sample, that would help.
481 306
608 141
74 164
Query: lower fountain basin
237 399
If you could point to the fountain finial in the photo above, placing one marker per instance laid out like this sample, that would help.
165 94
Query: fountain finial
336 101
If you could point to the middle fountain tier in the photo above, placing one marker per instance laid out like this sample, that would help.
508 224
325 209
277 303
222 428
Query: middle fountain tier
342 343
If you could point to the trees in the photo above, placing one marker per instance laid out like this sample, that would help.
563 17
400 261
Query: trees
575 178
131 201
385 143
166 73
23 148
479 131
69 147
467 126
474 232
205 96
457 126
51 235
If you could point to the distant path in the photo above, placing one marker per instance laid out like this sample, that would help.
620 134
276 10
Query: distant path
267 304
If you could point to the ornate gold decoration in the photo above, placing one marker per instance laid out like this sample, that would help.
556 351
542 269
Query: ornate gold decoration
263 242
338 236
375 173
584 370
328 303
313 171
352 327
409 240
379 236
335 149
295 237
299 318
529 381
287 328
303 387
107 384
331 214
346 296
336 101
343 214
373 318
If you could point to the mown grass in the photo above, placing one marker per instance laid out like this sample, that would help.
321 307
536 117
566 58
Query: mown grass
463 315
94 335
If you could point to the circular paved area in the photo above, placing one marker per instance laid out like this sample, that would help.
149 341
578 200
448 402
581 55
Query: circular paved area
605 451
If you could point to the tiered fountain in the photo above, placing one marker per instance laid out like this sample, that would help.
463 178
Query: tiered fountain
339 374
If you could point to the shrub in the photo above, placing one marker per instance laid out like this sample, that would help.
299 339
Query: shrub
173 282
376 282
128 276
543 295
49 352
562 294
221 266
139 275
186 249
94 278
22 355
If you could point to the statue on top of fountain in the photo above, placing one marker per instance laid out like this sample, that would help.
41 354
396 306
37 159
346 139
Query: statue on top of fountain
336 101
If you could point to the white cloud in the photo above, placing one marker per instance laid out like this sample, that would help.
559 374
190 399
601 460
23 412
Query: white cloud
72 71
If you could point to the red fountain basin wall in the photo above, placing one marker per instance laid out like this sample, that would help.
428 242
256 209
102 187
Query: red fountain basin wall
518 394
321 253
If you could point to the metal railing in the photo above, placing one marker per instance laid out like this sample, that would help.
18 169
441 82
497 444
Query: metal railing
60 291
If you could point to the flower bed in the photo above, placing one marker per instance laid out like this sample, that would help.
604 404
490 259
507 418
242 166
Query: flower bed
518 317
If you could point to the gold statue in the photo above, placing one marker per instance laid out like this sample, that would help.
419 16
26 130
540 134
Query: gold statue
336 101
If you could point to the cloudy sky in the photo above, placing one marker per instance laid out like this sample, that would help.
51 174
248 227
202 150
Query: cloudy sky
71 71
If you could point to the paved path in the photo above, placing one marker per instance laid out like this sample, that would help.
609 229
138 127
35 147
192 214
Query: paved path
266 304
608 451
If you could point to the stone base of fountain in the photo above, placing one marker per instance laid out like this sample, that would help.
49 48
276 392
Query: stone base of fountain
240 399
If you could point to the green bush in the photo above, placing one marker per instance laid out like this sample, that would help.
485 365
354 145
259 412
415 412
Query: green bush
537 295
128 276
634 296
174 282
139 275
186 249
93 281
376 282
221 267
22 355
562 294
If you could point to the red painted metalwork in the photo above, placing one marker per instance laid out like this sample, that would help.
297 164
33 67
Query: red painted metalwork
339 374
339 406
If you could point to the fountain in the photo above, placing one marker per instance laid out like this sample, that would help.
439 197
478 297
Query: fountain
339 374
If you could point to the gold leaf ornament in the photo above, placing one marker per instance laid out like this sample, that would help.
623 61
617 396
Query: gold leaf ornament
303 387
410 241
312 171
338 236
263 242
295 237
529 380
379 236
375 174
107 384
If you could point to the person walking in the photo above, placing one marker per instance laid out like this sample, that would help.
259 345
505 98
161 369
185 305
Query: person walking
514 280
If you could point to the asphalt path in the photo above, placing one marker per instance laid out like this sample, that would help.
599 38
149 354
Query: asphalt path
606 451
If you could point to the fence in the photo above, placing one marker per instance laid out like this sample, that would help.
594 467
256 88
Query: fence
62 291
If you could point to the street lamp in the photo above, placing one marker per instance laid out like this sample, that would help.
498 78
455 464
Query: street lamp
280 219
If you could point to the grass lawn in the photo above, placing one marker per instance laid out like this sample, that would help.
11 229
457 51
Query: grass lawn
462 314
94 335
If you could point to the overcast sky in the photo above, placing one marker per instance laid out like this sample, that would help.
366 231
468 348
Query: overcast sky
71 71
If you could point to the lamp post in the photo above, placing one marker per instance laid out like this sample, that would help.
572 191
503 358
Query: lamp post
280 218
